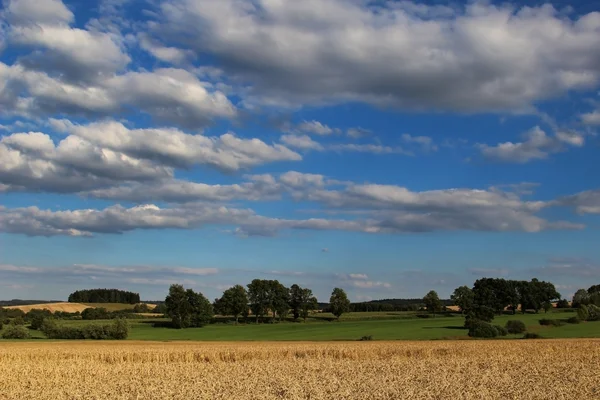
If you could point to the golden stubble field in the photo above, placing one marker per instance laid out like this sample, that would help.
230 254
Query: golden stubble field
517 369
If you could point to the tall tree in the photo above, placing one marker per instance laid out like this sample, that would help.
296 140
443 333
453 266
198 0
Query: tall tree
308 303
432 302
463 297
338 302
258 296
200 309
580 297
178 308
295 300
279 299
234 302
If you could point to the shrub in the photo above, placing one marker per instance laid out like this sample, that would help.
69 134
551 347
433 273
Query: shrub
551 322
17 321
563 303
368 337
531 335
15 332
573 320
515 326
501 330
582 313
117 330
482 329
593 312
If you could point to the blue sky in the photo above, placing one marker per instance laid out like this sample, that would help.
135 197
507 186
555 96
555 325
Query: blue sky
388 148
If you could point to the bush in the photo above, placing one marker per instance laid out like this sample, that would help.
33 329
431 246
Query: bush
17 321
515 326
573 320
117 330
531 335
501 330
366 338
551 322
482 329
583 313
15 332
563 303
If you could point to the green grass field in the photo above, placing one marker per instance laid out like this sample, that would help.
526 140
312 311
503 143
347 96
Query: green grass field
382 326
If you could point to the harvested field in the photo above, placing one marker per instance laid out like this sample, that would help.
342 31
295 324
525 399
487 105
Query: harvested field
74 307
532 369
53 307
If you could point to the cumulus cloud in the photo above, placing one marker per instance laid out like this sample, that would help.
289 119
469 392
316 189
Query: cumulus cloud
166 54
587 202
302 142
169 95
316 127
176 148
536 145
31 161
76 54
476 58
357 133
592 118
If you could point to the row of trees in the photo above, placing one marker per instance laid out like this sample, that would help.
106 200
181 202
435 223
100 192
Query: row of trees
490 296
262 298
104 296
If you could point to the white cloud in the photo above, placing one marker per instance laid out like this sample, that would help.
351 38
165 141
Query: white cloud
369 148
77 54
171 55
174 147
587 202
536 145
316 127
169 94
303 142
477 58
358 132
425 142
592 118
31 161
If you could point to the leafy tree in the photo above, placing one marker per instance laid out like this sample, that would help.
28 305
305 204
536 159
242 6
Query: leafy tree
200 309
581 297
432 302
178 308
582 312
279 299
463 297
234 302
160 308
547 306
338 302
308 303
562 303
104 296
295 300
258 295
594 289
482 329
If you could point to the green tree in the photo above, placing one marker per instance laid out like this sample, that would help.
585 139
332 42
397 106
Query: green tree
432 302
295 300
279 299
563 303
547 306
258 296
581 297
178 308
234 302
200 309
338 302
463 297
308 303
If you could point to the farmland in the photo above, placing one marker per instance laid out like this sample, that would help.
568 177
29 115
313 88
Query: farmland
73 307
352 326
360 370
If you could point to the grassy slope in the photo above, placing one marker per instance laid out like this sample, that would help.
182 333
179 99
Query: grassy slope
352 328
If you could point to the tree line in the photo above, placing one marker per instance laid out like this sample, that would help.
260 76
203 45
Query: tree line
104 296
261 298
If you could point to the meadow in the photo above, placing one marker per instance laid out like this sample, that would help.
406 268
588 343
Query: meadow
498 369
352 326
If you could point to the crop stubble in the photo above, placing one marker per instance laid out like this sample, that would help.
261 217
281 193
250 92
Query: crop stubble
517 369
